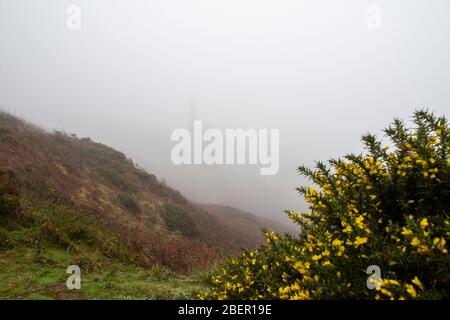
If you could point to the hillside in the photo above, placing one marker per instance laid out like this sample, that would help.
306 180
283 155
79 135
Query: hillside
69 200
245 225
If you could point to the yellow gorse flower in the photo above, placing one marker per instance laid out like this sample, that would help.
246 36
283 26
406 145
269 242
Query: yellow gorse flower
417 282
337 243
406 231
360 240
348 229
359 222
326 263
424 223
415 242
410 289
316 257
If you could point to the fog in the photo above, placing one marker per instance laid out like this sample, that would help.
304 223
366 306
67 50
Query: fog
322 72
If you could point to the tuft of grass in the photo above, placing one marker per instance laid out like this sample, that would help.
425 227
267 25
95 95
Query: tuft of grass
129 202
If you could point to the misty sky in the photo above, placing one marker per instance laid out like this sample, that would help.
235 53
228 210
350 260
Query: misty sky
137 70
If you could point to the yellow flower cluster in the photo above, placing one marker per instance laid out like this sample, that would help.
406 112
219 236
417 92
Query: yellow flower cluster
393 289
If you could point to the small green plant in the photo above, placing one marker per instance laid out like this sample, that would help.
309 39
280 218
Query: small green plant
159 273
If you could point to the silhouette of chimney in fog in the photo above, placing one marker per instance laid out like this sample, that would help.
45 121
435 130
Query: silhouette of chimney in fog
191 115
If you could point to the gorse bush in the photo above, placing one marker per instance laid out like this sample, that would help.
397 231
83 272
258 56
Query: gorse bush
387 207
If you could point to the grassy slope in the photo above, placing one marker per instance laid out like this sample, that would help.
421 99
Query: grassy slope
156 222
42 239
65 201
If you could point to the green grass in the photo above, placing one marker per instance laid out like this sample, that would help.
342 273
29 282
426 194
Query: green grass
28 274
138 284
35 254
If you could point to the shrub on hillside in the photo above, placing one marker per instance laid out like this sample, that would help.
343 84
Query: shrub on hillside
129 202
387 207
9 202
178 219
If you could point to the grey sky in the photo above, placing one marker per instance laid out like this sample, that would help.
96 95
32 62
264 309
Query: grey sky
311 68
